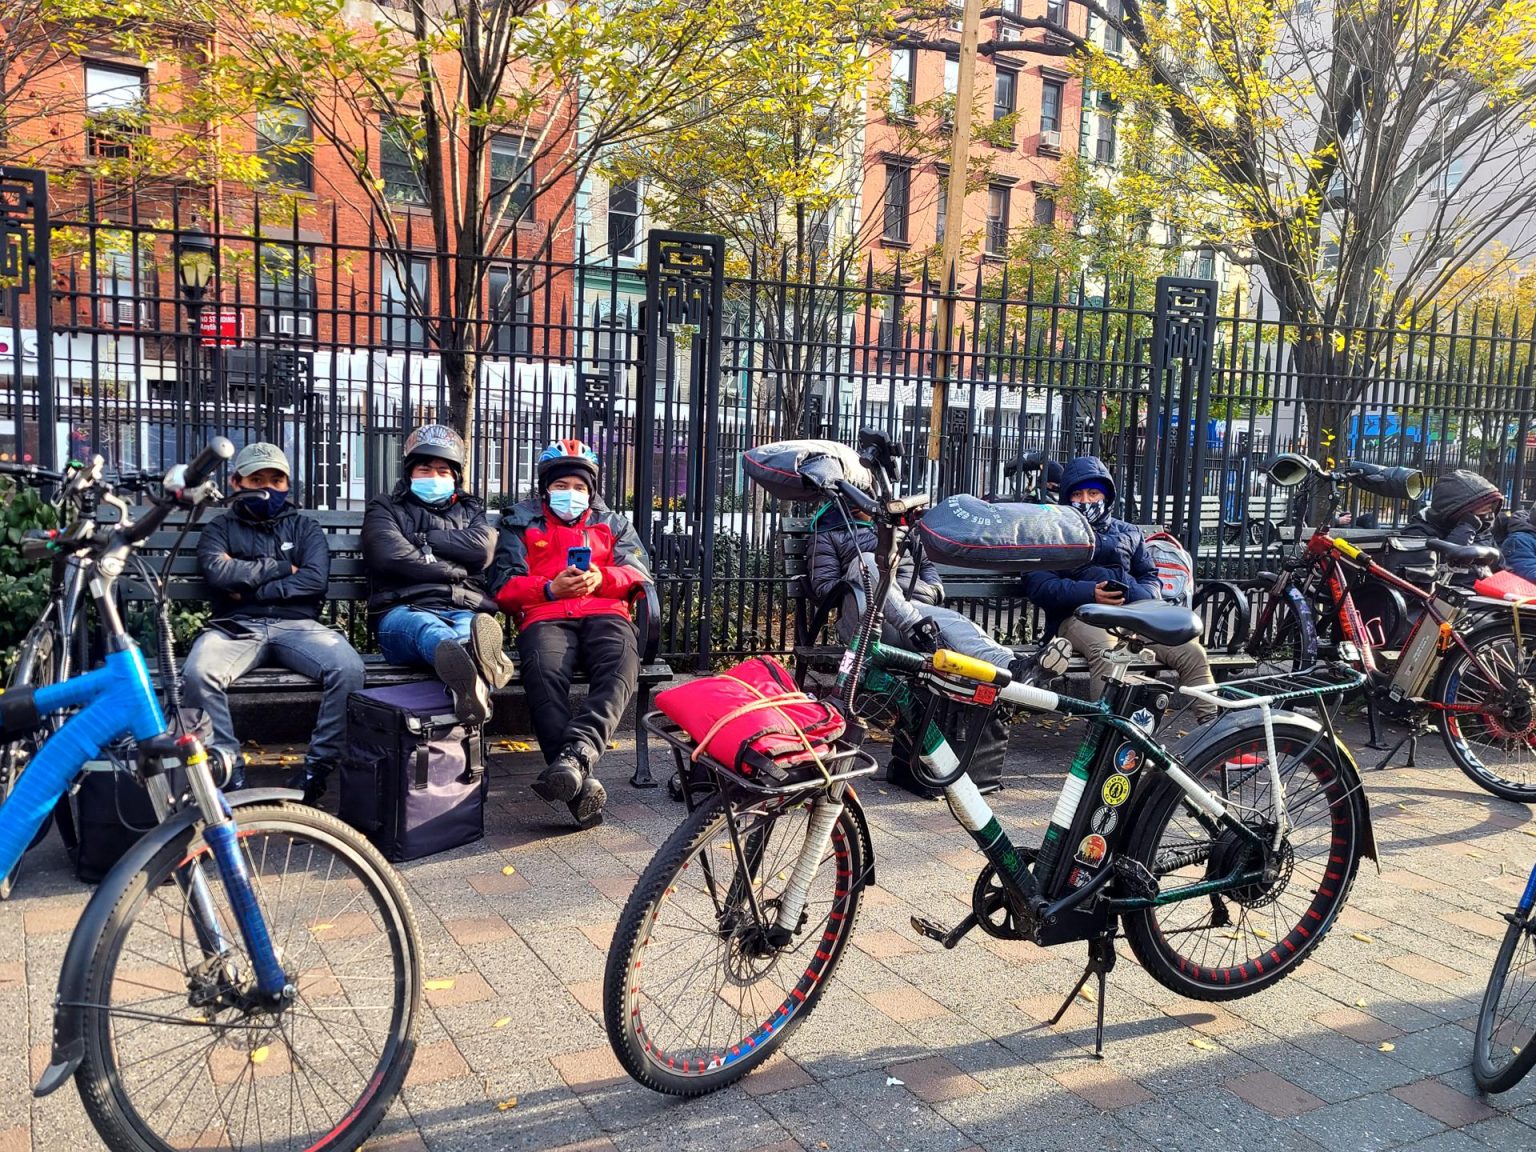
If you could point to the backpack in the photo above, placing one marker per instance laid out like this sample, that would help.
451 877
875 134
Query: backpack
1175 568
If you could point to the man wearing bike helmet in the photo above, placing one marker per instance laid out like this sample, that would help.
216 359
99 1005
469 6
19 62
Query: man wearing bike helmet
428 545
1122 572
567 568
267 567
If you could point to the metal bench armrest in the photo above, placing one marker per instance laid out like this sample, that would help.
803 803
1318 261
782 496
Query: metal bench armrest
645 605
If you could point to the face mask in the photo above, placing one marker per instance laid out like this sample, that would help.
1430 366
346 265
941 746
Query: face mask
263 503
568 504
432 489
1097 512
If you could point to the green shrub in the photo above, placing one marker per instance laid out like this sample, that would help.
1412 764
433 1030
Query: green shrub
23 583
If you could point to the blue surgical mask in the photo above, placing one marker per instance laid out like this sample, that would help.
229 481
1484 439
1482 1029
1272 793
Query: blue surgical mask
263 503
569 504
432 489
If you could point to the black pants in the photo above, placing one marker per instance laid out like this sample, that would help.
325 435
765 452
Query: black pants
551 653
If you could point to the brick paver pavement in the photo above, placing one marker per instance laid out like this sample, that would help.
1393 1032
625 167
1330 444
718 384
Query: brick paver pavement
1365 1047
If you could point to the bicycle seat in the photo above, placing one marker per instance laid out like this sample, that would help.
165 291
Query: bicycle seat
1464 555
1150 619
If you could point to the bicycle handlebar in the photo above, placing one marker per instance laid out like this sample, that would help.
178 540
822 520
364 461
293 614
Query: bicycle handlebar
218 450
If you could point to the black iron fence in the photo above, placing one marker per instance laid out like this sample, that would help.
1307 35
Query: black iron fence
674 363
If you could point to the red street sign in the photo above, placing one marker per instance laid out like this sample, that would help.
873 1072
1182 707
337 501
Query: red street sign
220 327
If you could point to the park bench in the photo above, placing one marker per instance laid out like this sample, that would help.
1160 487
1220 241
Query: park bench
998 604
349 587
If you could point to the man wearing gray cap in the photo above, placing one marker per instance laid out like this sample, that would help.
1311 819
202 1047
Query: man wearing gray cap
267 566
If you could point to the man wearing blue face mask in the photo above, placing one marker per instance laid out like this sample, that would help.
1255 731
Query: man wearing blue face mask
427 545
267 566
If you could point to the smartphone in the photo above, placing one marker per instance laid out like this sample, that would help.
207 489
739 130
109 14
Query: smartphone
578 558
1116 586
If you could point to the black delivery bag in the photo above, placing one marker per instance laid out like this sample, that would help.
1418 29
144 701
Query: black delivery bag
413 779
802 469
968 532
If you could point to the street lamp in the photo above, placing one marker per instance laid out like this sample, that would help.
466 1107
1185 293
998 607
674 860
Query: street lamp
196 265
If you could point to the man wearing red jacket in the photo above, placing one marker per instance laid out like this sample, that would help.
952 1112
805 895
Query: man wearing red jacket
565 571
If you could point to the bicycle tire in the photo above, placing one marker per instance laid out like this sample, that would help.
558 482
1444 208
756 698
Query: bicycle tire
640 1028
1221 611
36 665
1494 1034
1223 969
1460 682
247 1052
1285 642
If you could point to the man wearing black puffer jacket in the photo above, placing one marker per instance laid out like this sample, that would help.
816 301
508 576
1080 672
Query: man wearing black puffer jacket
428 545
267 566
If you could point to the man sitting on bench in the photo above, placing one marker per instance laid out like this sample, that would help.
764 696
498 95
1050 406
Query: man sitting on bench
267 567
1122 572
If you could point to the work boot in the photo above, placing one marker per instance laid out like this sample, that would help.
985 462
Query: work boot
456 669
587 807
487 647
561 781
311 781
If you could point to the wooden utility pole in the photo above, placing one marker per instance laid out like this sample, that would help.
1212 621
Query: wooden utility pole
946 362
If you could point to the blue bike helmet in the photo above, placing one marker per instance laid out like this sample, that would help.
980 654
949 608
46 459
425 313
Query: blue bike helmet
567 458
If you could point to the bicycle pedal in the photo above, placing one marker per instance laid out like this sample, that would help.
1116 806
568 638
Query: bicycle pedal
1134 880
932 929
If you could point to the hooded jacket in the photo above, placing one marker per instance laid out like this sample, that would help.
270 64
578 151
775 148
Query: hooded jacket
532 543
834 548
249 565
1449 515
426 556
1121 555
1517 544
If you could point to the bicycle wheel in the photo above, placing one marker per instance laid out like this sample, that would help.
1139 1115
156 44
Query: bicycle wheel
1237 941
1281 640
36 665
1504 1048
694 995
1487 714
180 1052
1222 610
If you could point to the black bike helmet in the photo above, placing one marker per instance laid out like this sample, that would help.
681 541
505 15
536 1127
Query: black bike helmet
435 442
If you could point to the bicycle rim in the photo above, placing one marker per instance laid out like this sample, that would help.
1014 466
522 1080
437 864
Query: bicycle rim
1488 714
1505 1045
1243 938
179 1055
694 997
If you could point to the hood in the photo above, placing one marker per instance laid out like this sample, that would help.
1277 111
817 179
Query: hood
1458 493
1082 469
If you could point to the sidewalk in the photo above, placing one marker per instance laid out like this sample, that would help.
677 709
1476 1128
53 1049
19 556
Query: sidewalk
1366 1046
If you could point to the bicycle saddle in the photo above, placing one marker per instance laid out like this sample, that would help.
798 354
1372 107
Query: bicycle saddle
1150 619
1464 555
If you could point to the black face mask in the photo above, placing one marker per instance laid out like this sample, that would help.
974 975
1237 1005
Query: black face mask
1097 513
263 503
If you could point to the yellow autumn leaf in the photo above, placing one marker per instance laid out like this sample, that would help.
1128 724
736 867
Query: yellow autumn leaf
508 870
1086 994
439 985
506 1105
1386 1046
1363 938
1359 1003
320 927
503 1022
1203 1044
259 1055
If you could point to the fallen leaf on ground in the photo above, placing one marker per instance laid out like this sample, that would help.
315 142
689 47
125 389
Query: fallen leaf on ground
1203 1044
508 870
506 1105
439 985
1386 1046
503 1022
892 1082
1363 938
259 1056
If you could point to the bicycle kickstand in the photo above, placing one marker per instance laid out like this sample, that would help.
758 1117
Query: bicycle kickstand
1101 961
1412 740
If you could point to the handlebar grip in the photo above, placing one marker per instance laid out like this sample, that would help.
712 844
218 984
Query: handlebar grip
859 500
968 667
1346 548
38 543
219 449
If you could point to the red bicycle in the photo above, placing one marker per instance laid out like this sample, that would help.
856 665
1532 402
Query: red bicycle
1467 664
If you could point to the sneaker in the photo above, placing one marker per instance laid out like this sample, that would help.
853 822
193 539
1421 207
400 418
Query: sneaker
560 782
310 782
587 806
487 647
456 669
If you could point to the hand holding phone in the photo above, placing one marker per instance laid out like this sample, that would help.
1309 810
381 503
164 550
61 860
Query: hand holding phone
578 558
1110 592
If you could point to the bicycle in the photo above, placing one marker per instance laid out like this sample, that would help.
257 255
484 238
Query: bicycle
57 641
1504 1045
250 971
1465 659
1225 862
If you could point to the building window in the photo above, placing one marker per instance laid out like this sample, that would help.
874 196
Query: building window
1450 180
285 291
888 334
1045 210
511 312
903 96
1205 264
1004 94
116 106
1105 150
512 177
939 232
1051 95
397 164
1056 12
1329 257
997 219
285 144
625 202
121 283
951 75
898 199
404 326
1114 40
818 239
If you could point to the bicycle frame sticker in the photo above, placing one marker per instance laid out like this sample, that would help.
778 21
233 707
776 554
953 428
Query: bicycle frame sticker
1127 760
1144 720
1091 850
1117 790
1104 820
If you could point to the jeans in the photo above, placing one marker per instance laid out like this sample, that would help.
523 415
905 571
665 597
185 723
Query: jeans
551 651
411 635
304 646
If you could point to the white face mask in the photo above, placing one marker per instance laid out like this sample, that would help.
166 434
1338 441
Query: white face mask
568 503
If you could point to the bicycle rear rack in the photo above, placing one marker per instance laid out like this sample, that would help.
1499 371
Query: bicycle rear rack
1276 688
